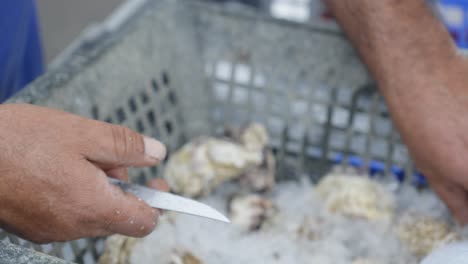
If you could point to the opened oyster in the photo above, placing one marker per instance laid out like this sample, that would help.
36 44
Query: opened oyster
422 234
203 164
356 196
249 212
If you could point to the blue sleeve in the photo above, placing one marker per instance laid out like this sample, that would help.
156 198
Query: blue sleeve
21 58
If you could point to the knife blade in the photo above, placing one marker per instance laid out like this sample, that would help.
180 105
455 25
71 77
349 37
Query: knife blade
168 201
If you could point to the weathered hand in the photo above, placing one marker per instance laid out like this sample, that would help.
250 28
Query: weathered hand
53 167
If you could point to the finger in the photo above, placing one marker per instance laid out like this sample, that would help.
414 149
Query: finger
118 173
159 184
119 146
123 213
455 197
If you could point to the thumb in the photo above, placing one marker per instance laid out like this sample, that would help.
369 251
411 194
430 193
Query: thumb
119 146
123 213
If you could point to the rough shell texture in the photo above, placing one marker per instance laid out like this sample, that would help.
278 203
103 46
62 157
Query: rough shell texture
422 234
356 196
261 178
205 163
117 250
249 212
254 137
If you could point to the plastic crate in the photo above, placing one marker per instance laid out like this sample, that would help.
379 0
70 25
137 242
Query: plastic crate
176 69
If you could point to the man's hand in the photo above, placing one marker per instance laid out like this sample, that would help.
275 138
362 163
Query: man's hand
425 84
53 167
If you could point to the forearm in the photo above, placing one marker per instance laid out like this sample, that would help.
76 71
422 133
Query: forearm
414 61
396 38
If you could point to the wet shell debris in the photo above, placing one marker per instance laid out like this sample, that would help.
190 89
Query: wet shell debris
250 212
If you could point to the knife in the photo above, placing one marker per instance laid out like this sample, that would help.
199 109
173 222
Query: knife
168 201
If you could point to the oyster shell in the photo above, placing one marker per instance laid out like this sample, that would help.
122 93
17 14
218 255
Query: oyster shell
261 178
250 212
117 250
421 234
356 196
205 163
254 137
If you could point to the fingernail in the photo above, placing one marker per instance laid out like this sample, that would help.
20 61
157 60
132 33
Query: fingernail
154 148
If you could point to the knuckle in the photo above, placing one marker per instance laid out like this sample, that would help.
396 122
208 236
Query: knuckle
126 142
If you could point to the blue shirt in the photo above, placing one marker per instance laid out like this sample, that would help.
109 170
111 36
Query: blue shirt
20 47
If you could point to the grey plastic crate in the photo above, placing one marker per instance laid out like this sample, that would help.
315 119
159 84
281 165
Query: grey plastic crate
175 69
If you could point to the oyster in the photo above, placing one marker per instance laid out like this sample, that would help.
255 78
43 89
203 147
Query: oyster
260 178
422 234
117 250
357 196
250 212
205 163
254 137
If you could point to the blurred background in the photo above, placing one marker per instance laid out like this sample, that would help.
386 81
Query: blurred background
26 51
62 21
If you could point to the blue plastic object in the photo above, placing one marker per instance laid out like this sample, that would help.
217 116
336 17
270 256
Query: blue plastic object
355 161
376 167
419 179
21 58
398 172
455 15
